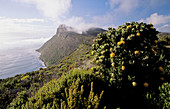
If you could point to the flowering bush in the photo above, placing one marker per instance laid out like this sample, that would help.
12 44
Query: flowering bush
131 56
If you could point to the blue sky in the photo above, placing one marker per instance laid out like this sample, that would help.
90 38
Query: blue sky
39 19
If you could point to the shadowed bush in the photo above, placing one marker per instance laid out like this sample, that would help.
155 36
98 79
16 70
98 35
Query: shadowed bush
131 59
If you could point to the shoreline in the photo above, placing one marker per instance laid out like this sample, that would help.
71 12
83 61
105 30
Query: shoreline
43 61
41 58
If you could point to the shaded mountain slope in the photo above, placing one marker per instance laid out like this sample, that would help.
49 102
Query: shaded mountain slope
93 31
64 42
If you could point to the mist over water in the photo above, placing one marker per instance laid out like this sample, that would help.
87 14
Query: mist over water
19 56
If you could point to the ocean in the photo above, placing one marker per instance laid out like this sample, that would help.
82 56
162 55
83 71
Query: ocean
20 56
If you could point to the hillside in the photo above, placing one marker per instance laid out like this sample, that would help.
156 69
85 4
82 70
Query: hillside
164 34
29 83
64 42
165 37
78 82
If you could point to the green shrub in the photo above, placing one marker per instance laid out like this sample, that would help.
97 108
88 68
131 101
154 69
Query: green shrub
164 96
21 99
130 53
74 98
25 77
59 93
163 100
165 39
131 59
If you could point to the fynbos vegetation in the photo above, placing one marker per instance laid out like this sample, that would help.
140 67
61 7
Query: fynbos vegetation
130 69
132 59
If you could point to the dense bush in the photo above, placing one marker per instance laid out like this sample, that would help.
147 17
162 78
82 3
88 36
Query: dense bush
75 98
120 53
165 39
130 58
75 89
21 99
164 96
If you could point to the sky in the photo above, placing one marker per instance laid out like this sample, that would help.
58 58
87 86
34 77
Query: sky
37 20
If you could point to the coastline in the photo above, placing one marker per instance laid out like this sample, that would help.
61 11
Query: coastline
42 61
41 58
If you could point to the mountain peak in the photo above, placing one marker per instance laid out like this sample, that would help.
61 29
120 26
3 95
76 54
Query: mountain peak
64 28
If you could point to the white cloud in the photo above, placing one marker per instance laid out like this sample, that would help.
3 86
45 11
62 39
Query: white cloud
57 11
105 21
16 32
5 19
119 9
22 43
123 5
164 28
54 9
14 27
28 20
79 23
157 19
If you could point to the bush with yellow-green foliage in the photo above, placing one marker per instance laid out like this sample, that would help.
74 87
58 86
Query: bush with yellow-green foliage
163 100
131 59
130 52
25 77
74 98
75 89
21 99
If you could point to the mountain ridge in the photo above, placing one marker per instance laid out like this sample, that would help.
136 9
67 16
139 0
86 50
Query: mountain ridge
64 42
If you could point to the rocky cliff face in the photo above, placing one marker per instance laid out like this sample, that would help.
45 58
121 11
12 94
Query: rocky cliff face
64 42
